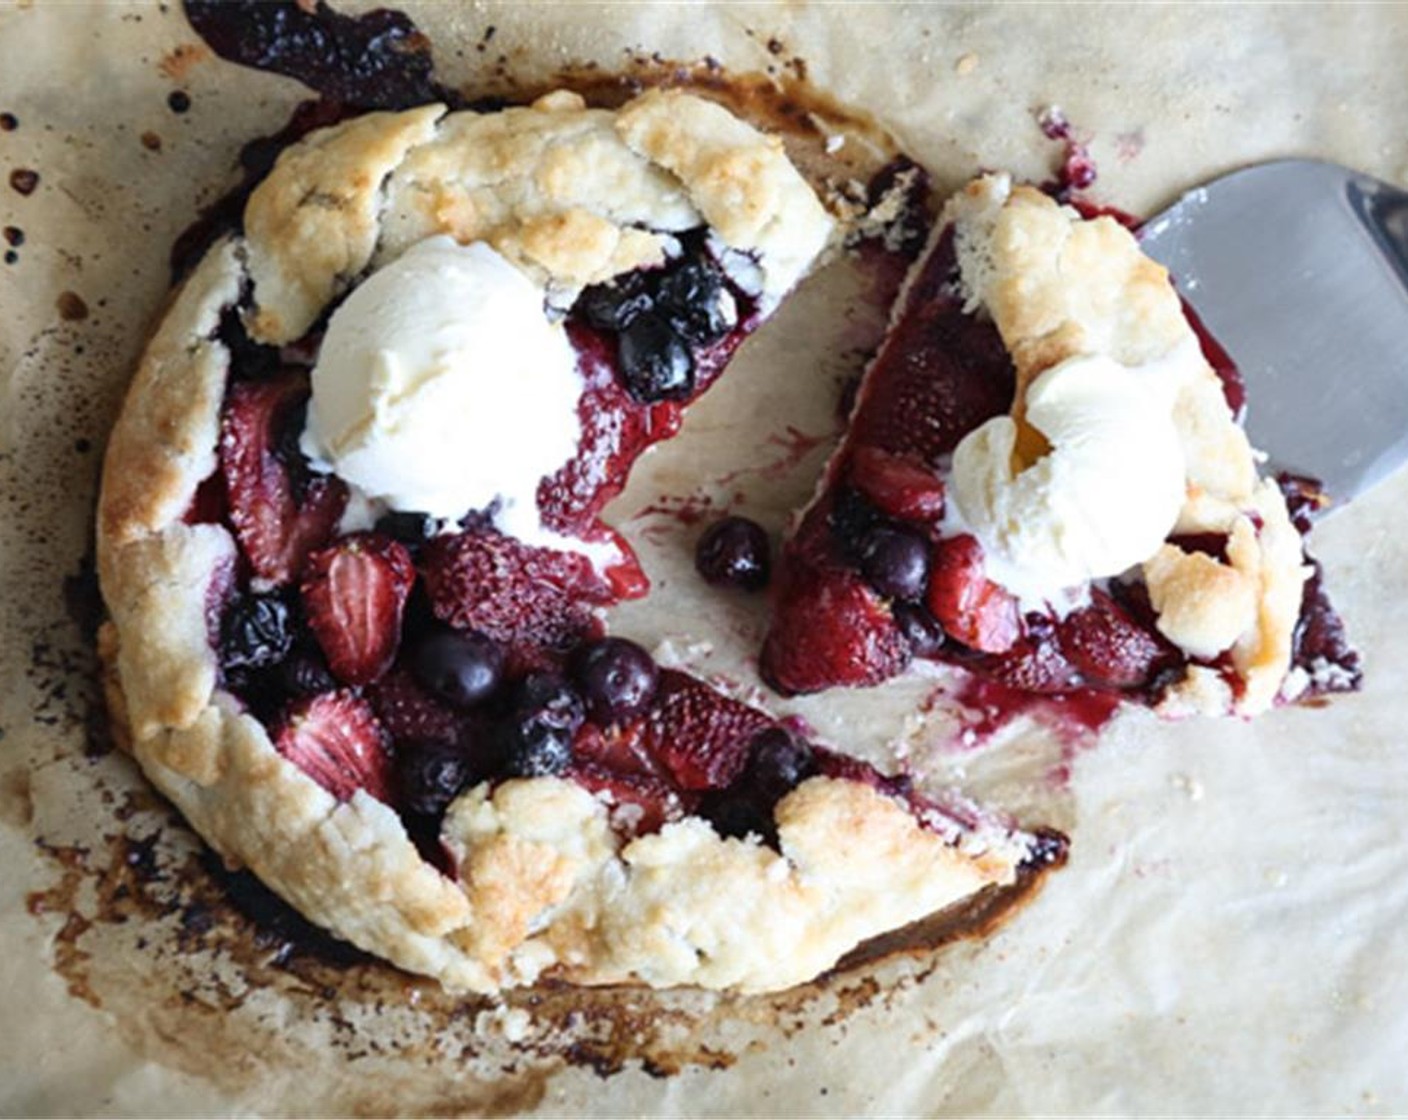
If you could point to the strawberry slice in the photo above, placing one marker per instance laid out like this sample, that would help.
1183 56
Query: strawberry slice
530 599
335 739
970 607
280 509
354 593
898 484
829 628
1034 663
1109 648
615 747
409 713
640 804
939 373
699 736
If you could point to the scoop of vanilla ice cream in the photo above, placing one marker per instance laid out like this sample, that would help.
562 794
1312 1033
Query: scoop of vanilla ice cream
441 387
1102 499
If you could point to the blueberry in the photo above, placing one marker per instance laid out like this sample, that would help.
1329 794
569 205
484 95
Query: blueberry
655 361
538 751
537 736
408 528
548 698
778 761
306 673
851 520
463 669
617 678
255 633
693 299
611 307
734 552
736 813
895 562
431 775
920 629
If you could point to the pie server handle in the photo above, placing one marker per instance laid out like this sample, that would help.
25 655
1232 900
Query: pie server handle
1299 268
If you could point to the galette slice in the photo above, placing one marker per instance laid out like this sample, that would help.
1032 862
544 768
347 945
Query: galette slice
1043 482
348 538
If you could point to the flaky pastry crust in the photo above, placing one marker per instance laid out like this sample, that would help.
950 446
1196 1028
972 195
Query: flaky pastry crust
1058 286
542 884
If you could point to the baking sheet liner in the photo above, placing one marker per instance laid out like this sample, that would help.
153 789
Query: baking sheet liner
1228 935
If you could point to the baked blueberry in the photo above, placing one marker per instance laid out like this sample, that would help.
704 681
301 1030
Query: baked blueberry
655 360
256 632
778 761
305 673
610 307
431 775
536 737
734 552
409 528
617 678
734 812
693 299
920 629
462 668
895 562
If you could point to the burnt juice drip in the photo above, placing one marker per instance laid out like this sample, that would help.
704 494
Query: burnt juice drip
380 60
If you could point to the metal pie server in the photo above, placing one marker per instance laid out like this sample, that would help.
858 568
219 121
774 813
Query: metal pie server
1300 270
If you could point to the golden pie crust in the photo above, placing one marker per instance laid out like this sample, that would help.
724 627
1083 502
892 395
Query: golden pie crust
545 888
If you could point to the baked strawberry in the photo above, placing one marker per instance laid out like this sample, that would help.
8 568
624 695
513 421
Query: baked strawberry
530 599
829 627
409 713
354 593
280 509
639 803
939 374
617 747
615 431
1034 663
336 740
1108 647
698 735
898 485
970 607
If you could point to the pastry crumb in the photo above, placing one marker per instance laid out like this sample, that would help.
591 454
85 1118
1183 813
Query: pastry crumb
510 1023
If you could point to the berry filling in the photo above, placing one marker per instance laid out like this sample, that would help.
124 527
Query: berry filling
734 552
647 345
413 662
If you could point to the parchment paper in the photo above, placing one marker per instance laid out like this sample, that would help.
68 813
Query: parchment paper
1229 934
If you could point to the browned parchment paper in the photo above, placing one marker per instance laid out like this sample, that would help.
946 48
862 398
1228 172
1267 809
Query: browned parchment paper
1229 935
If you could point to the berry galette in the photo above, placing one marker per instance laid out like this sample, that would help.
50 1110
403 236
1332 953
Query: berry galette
349 539
1044 482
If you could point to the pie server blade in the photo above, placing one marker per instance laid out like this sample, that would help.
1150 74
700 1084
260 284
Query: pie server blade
1300 270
